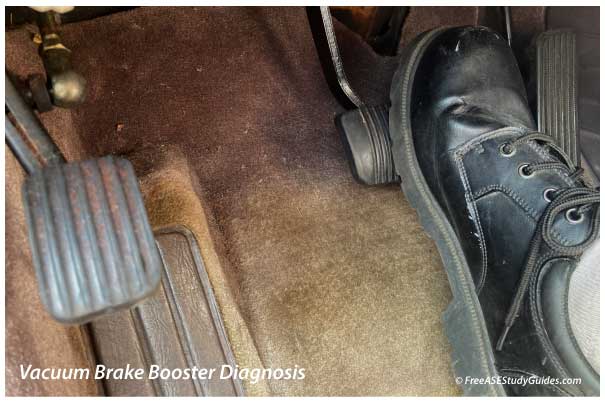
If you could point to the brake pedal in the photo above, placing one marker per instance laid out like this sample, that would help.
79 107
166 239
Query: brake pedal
365 136
364 130
557 97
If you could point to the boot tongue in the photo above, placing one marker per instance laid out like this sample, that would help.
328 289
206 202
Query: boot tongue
471 121
569 227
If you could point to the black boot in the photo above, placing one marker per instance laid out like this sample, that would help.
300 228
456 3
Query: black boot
508 210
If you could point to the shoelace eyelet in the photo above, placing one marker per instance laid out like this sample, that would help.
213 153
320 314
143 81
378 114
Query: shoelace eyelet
573 217
523 173
511 150
548 194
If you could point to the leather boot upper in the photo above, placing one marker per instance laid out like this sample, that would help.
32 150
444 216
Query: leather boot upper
496 181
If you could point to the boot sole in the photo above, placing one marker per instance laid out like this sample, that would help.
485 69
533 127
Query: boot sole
465 328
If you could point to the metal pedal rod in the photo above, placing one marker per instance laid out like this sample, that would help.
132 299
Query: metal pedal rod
343 81
508 23
25 134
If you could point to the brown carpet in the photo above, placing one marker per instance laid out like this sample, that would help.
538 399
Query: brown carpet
328 275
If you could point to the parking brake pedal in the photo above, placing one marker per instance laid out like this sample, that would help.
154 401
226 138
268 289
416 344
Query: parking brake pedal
92 245
557 97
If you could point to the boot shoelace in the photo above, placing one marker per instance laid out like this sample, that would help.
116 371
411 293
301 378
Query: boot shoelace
575 201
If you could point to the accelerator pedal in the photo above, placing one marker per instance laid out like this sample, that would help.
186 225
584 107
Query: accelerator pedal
92 245
557 97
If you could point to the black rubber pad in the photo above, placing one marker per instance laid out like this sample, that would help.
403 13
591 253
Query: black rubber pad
365 136
557 89
180 326
91 241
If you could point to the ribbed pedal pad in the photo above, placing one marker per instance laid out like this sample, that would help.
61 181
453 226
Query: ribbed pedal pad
365 135
92 245
557 96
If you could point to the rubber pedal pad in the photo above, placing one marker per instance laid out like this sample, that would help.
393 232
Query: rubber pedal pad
364 132
557 83
92 245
